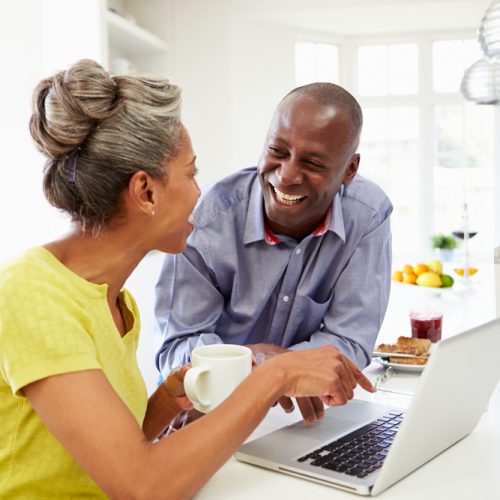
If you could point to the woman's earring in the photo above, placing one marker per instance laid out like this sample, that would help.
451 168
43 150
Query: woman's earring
153 212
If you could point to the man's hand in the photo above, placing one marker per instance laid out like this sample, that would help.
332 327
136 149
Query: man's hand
174 385
312 409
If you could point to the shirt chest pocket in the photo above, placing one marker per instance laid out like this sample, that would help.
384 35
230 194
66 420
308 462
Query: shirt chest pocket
308 316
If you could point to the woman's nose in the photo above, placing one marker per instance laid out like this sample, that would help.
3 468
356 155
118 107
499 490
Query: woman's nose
197 188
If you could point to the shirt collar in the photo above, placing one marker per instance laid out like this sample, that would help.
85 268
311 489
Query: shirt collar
256 229
337 221
254 225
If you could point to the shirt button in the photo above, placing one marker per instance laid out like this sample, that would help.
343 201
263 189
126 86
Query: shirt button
298 251
286 298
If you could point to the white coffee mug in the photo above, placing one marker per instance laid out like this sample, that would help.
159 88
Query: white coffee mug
216 371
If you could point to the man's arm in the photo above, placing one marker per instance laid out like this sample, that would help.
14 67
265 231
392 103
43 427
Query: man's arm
188 305
361 295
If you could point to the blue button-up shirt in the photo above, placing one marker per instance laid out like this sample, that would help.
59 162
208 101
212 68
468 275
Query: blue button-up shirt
231 286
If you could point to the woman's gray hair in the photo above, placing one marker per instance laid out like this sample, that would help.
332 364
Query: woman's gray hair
97 130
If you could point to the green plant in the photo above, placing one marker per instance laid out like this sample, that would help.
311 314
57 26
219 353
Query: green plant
444 241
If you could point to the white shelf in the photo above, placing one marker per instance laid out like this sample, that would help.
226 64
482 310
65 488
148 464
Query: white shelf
130 38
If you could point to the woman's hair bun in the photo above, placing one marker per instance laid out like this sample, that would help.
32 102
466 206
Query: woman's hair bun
68 105
97 131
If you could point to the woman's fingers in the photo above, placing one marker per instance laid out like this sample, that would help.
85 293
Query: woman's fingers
360 378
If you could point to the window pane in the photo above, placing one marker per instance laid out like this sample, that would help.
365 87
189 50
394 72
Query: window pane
316 62
373 68
449 135
450 58
464 171
403 69
389 157
388 69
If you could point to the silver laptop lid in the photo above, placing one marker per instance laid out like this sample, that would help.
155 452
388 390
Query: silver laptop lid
452 394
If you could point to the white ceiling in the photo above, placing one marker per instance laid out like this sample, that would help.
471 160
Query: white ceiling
354 17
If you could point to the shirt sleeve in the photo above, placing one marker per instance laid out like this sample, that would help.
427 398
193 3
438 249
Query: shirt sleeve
42 333
188 305
361 295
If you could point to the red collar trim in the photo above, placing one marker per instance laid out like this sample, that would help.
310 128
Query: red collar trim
269 236
272 239
323 227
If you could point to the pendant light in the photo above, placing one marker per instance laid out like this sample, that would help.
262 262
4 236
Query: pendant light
489 31
481 83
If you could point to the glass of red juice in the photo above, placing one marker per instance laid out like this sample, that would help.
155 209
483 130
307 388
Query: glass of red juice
426 325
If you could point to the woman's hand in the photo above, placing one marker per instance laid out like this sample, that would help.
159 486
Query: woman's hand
311 408
323 372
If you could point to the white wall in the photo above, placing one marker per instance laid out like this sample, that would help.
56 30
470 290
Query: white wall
233 70
21 56
36 39
262 72
200 43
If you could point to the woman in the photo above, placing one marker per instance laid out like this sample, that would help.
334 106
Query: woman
75 416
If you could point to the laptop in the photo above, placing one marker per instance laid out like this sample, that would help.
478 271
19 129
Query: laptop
365 447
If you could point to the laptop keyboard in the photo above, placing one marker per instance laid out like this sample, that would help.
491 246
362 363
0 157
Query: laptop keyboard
361 452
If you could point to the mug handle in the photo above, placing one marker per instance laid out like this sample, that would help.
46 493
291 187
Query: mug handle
191 384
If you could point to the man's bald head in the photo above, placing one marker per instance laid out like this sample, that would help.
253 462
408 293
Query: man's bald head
331 95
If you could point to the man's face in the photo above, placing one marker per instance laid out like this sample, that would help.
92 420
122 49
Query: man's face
308 154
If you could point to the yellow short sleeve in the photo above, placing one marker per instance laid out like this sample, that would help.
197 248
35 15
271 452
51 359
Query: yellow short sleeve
42 328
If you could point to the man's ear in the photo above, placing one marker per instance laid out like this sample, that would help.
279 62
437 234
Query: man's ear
351 169
142 192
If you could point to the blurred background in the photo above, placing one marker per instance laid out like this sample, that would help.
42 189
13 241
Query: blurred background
431 149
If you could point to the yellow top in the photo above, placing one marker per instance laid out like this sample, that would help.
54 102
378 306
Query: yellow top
52 321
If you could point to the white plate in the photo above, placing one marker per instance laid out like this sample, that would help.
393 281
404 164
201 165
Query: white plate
399 366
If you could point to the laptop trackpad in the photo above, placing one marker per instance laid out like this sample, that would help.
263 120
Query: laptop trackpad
327 429
299 438
338 421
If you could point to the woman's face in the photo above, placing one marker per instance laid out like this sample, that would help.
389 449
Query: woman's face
179 193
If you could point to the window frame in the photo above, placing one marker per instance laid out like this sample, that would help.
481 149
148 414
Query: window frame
425 100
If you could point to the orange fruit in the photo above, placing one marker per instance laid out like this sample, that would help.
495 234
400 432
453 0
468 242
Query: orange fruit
397 276
407 268
420 268
409 278
461 271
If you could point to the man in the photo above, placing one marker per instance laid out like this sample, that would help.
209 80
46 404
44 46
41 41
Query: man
291 255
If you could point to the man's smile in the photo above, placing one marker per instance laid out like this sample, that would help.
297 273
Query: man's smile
287 199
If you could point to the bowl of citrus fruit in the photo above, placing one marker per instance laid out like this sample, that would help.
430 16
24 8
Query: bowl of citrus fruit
429 275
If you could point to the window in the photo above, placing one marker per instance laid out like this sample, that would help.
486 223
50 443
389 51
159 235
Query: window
428 148
389 156
388 69
450 58
316 62
464 170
